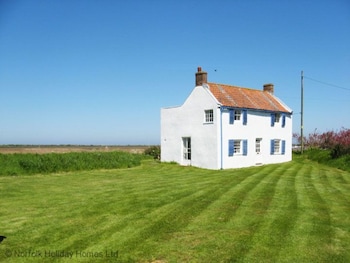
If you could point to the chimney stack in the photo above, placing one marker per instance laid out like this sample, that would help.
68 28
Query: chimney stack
201 77
268 88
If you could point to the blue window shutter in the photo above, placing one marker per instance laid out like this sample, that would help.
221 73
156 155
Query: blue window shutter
232 116
272 149
230 147
283 147
272 119
244 117
283 120
245 147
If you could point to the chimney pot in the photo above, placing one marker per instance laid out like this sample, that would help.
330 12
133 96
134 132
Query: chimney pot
201 77
269 88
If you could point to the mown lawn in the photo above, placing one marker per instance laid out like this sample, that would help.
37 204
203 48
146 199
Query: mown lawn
293 212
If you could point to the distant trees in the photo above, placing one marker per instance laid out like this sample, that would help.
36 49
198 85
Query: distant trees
338 142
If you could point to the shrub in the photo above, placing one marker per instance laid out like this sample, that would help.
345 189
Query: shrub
153 151
337 142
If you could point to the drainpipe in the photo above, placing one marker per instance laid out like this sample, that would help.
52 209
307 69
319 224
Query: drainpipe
221 141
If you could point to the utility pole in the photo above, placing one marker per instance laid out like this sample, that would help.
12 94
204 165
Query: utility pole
302 113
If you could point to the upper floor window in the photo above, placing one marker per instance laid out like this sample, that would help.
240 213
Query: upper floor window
276 117
237 115
209 116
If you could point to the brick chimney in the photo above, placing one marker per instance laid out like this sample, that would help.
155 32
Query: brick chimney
268 88
201 77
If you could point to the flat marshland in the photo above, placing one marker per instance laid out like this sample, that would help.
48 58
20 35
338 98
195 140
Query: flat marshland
159 212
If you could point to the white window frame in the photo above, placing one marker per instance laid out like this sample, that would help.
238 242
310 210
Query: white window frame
209 116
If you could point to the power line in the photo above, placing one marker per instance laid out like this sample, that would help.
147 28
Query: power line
328 84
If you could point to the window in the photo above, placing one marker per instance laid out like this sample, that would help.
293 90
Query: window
209 116
186 148
239 147
258 145
278 146
237 115
277 117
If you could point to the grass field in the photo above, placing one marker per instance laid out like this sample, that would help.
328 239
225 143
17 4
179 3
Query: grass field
292 212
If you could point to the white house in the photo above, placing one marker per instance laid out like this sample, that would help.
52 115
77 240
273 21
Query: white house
222 126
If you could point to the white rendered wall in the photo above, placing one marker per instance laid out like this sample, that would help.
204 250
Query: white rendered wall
258 126
188 120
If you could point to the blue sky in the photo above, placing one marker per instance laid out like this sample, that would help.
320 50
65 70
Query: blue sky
98 72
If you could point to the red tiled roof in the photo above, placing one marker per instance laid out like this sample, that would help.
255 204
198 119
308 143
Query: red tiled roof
238 97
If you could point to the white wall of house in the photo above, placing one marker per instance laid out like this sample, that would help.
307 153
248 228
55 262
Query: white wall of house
210 141
188 121
258 127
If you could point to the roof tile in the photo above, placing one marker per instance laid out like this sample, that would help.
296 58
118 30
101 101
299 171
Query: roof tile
238 97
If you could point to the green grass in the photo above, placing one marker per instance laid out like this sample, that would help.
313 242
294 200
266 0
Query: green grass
25 164
292 212
324 156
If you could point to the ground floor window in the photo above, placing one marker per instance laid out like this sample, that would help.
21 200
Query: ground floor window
278 146
186 145
237 147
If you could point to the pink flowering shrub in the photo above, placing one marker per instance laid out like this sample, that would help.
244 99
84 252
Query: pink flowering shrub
337 142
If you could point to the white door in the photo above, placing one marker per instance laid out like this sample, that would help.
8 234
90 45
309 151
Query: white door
258 153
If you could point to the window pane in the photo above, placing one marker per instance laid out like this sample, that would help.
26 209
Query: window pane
277 117
209 116
277 146
237 115
237 146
